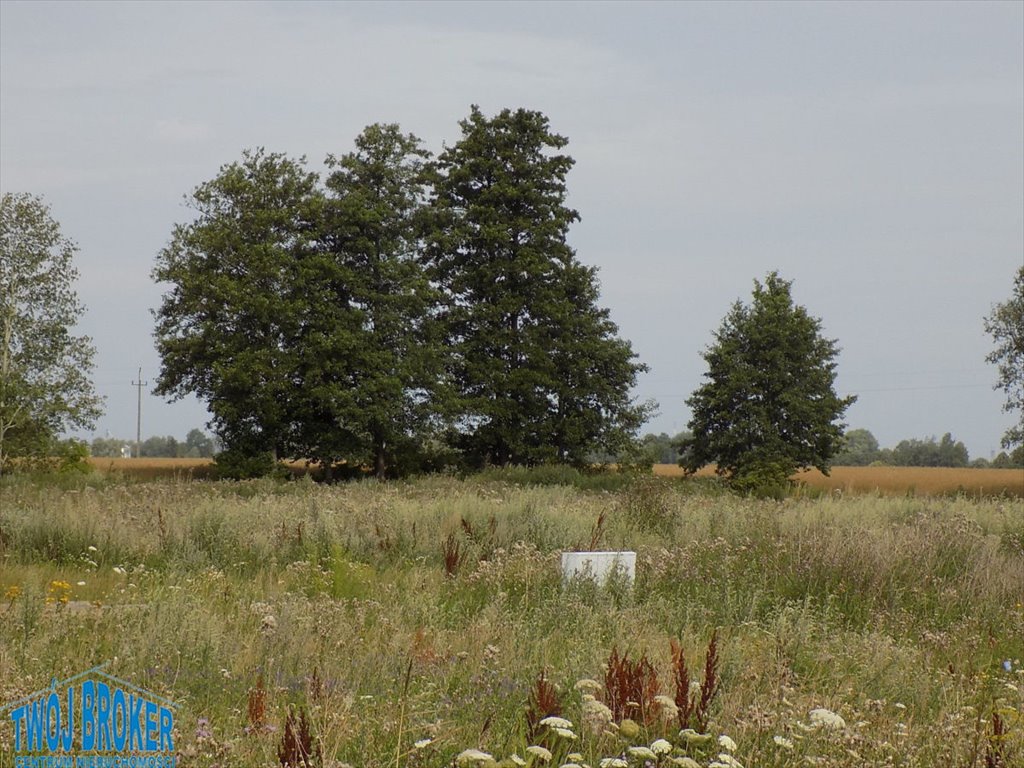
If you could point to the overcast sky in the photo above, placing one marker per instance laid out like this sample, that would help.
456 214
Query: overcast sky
872 153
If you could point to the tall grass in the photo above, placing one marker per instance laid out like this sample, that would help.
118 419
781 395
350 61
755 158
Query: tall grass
896 612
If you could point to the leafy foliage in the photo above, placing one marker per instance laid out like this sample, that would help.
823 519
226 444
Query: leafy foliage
360 323
1006 326
226 331
539 370
768 406
859 449
44 368
369 353
946 452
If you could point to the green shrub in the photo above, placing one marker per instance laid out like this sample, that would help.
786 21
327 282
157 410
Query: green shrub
241 465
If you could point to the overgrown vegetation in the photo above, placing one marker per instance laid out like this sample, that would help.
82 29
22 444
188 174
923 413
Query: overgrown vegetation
252 603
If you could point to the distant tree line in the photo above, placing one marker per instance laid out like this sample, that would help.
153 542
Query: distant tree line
196 445
861 449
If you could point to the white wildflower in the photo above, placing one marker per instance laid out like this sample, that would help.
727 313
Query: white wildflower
690 736
472 757
556 722
667 708
685 762
423 743
661 747
726 743
516 759
728 760
596 716
586 685
782 741
826 718
539 752
91 548
614 762
269 625
643 752
565 733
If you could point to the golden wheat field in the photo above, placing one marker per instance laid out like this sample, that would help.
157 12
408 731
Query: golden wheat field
925 481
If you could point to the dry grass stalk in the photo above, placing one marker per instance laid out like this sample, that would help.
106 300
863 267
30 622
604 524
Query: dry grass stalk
994 749
257 706
597 532
694 708
544 702
401 712
630 688
454 555
296 749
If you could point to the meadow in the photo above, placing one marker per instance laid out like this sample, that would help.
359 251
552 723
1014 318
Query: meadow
413 621
928 481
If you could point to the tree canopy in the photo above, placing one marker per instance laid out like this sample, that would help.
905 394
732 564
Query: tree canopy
238 300
374 371
539 369
363 317
859 448
1006 326
45 385
768 406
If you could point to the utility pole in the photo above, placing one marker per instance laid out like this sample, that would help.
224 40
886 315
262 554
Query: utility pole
138 416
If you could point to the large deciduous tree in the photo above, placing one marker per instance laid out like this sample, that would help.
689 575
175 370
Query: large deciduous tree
1006 326
227 328
370 360
44 368
768 406
537 364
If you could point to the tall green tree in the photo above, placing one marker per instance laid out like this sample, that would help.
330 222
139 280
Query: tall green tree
227 328
768 406
537 364
859 448
45 385
370 359
1006 326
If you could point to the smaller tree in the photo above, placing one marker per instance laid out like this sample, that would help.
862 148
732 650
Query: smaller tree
44 369
162 447
859 449
107 447
768 406
1006 325
198 444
